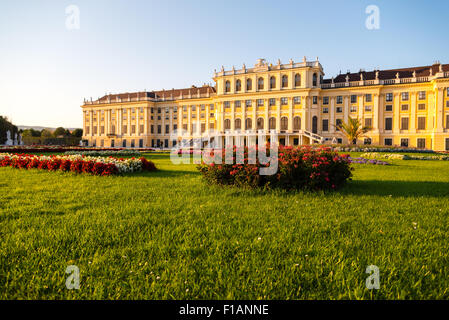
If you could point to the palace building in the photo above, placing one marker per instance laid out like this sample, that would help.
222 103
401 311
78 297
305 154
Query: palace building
403 107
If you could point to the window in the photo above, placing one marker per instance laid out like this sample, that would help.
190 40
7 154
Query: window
211 107
404 96
368 97
297 123
338 123
193 108
389 97
167 129
227 86
158 110
141 128
248 124
284 123
325 110
388 141
447 121
152 128
389 107
227 124
404 142
353 109
325 100
284 101
272 82
184 108
422 95
368 108
271 101
237 103
203 107
249 84
422 106
125 128
314 99
248 103
314 80
339 99
159 129
367 141
404 123
272 123
238 124
447 92
227 104
325 125
259 123
404 107
421 123
447 141
339 109
353 98
388 123
368 122
238 85
421 143
297 80
260 83
284 81
101 129
260 102
297 100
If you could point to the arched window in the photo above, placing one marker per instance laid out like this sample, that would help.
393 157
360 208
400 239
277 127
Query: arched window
297 123
238 124
272 82
249 84
238 85
227 124
227 86
259 123
314 124
314 80
284 123
284 81
260 83
272 123
297 80
248 124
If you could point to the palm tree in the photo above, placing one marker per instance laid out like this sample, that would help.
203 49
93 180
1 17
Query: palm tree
353 129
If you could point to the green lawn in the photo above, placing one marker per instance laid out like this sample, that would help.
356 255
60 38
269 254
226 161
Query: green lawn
168 235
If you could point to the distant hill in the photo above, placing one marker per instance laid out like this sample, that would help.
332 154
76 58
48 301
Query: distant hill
40 128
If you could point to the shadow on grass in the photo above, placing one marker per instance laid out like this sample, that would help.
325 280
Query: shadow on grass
396 188
162 174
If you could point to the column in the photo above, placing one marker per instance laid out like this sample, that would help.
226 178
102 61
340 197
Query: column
91 117
145 121
198 121
254 106
278 115
332 121
232 115
290 113
439 117
119 121
129 123
376 114
138 123
266 114
396 114
189 120
412 128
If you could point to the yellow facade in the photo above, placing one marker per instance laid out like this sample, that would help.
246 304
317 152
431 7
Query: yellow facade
408 107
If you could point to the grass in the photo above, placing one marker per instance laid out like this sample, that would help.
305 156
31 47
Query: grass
168 235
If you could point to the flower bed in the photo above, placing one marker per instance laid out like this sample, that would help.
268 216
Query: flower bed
106 153
298 168
76 163
393 156
61 149
362 160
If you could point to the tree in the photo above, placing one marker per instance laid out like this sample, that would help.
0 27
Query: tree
5 126
31 133
353 129
60 131
77 133
45 133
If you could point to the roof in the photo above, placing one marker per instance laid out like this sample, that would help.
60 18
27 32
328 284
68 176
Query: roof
390 74
160 95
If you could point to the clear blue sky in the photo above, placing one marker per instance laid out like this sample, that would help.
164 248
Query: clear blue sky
46 70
